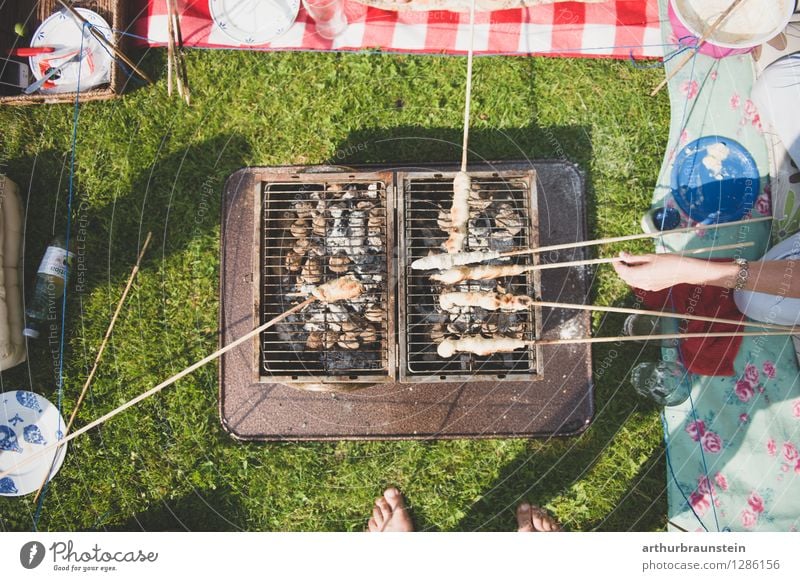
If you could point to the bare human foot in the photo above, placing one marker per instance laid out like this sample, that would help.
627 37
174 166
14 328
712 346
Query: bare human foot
390 514
532 519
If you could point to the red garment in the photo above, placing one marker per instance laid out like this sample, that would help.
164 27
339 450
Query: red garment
711 356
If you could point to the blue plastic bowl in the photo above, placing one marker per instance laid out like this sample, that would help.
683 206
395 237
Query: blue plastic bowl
714 180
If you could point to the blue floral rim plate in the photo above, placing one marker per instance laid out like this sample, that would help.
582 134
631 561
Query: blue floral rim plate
253 22
28 423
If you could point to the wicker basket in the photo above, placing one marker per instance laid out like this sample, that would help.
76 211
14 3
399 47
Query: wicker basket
32 13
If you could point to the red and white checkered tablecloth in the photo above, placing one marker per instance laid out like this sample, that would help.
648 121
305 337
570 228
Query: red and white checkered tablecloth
615 29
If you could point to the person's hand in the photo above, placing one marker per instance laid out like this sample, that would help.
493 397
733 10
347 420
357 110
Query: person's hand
653 272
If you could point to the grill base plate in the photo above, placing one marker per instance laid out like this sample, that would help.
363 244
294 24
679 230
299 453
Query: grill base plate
558 403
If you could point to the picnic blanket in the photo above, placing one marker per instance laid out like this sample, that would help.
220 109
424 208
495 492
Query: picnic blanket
612 29
734 447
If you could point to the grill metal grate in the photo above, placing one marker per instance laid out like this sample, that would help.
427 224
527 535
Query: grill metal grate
342 218
426 200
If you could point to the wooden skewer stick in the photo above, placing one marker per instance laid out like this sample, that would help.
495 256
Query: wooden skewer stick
644 236
99 355
580 340
591 261
180 57
483 346
170 49
708 32
162 385
664 314
477 256
104 41
459 274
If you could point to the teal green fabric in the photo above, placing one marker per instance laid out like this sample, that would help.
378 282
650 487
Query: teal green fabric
734 446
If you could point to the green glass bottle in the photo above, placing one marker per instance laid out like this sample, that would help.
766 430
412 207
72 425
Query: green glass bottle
51 280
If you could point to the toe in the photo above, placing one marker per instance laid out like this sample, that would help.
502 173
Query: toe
384 507
377 516
542 521
524 524
372 526
394 498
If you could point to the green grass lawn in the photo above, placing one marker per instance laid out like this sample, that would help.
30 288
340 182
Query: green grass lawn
148 163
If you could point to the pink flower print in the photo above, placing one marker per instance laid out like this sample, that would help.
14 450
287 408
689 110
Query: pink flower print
711 442
756 122
769 369
749 519
784 467
790 452
704 485
684 138
699 502
735 101
696 430
744 391
701 233
756 502
764 207
689 89
743 418
750 111
797 467
721 481
796 409
713 75
772 448
751 374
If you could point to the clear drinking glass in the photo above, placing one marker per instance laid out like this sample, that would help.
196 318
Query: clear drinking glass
650 325
665 382
328 15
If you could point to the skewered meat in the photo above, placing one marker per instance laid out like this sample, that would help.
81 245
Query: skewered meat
445 261
339 289
459 213
314 340
368 334
312 271
478 345
456 241
348 340
481 272
507 218
485 300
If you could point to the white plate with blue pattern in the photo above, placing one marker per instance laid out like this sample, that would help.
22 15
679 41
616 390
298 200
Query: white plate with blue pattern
28 423
63 32
253 22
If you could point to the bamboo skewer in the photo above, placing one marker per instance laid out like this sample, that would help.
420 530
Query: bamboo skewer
176 62
216 354
483 346
664 314
581 340
99 355
591 261
170 48
483 255
104 41
460 274
706 34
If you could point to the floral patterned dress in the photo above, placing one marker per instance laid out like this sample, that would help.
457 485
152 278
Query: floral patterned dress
734 446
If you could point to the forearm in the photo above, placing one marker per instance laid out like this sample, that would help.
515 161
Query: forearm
774 277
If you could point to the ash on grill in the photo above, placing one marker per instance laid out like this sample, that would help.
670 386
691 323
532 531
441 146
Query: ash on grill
328 230
499 220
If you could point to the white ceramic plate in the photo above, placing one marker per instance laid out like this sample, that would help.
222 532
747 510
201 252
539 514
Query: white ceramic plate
751 23
28 423
253 22
63 32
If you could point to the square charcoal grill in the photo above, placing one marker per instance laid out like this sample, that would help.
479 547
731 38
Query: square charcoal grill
503 218
315 228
